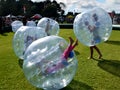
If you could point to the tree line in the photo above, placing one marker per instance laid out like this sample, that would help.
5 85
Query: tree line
27 7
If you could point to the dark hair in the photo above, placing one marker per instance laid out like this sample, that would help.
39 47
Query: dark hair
95 16
86 23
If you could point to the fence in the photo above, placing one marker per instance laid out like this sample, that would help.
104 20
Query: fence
70 26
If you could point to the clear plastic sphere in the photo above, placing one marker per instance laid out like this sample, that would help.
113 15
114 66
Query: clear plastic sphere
16 25
31 23
93 26
50 26
24 36
43 65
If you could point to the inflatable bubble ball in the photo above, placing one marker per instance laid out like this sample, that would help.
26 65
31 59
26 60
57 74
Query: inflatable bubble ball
16 25
93 26
44 66
24 36
50 26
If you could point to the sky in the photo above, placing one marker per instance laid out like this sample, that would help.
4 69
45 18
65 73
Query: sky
82 5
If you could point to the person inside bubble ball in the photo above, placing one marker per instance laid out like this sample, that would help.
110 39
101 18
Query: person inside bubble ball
68 53
47 27
94 29
28 40
96 38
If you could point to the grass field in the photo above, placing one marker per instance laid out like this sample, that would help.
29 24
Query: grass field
91 74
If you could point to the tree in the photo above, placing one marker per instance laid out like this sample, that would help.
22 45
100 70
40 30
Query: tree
46 8
50 11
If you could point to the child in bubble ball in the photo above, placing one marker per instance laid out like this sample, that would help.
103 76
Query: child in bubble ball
66 54
97 38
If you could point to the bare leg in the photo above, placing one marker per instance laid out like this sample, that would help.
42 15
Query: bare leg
98 51
71 40
68 49
76 43
71 47
91 52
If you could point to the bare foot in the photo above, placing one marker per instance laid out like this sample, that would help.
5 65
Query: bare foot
100 57
90 58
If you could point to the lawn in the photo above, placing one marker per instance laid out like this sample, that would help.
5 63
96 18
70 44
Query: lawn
91 74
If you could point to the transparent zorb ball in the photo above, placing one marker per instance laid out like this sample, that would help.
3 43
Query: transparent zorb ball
50 26
45 68
16 25
24 36
93 26
31 23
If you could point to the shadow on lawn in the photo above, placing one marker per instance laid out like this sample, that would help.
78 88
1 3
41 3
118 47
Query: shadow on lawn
20 62
76 52
76 85
4 34
113 42
111 66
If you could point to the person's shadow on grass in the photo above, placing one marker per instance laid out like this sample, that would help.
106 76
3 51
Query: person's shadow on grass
111 66
113 42
76 52
75 85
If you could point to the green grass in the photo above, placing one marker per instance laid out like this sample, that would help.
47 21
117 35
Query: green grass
91 74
